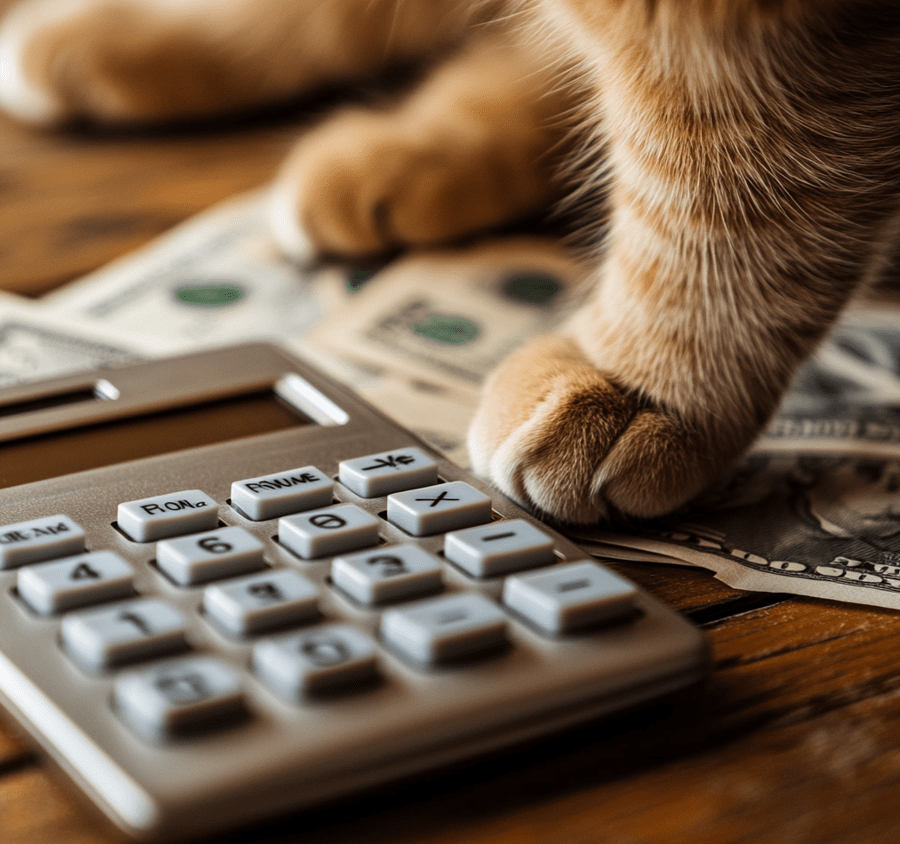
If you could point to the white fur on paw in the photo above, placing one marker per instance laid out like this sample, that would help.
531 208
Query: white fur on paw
20 96
289 234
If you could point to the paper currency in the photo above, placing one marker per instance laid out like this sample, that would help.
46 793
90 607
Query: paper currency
821 525
449 317
35 345
216 279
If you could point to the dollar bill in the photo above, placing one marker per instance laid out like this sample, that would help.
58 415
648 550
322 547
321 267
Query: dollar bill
35 345
216 279
849 392
449 317
822 525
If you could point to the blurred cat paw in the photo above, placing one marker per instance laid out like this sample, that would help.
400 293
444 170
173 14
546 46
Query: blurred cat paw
554 434
367 182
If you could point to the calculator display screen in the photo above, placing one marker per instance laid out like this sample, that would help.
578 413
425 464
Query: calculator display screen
90 447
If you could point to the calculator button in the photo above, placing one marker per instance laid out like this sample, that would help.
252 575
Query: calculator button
446 628
161 516
271 496
39 539
223 552
75 582
314 660
439 508
263 601
329 530
570 596
389 573
114 635
179 696
499 548
388 471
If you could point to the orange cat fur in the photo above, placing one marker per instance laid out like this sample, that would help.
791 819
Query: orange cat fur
748 150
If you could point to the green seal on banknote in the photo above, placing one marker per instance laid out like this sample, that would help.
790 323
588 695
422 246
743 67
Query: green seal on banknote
209 295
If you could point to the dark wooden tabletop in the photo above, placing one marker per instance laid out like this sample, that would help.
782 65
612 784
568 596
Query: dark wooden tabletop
795 737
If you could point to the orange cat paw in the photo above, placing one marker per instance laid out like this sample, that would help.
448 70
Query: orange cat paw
368 182
554 434
25 62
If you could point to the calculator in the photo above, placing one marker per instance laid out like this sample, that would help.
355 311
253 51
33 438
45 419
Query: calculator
230 588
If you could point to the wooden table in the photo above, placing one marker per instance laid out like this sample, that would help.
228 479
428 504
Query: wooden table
795 738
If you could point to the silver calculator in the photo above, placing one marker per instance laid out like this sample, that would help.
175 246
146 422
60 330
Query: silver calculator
230 588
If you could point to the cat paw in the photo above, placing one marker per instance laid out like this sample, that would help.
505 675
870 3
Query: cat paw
25 90
368 182
557 436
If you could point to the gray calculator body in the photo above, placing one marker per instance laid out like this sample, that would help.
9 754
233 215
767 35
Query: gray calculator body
282 753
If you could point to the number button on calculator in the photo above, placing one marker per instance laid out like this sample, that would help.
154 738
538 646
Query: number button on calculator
99 639
329 530
261 602
301 663
74 582
388 574
178 696
223 552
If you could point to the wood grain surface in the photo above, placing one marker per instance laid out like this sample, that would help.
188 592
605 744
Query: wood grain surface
793 739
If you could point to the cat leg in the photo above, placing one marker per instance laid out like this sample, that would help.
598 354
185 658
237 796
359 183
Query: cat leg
475 145
745 212
148 60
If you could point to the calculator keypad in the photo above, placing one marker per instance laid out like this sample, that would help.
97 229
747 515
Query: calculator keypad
246 597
